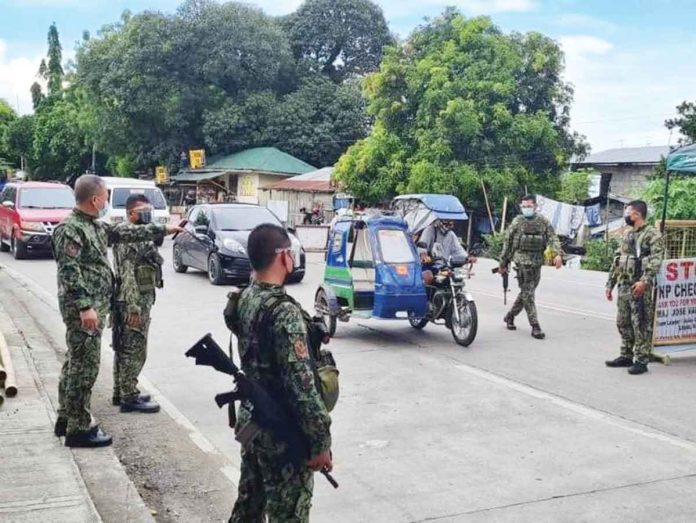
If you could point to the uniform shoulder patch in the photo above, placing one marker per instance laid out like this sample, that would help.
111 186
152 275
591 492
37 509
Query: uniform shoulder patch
72 249
301 349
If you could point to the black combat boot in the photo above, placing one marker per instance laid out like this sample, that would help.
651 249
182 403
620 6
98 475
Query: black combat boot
638 368
91 438
140 405
61 427
621 361
509 320
537 332
116 399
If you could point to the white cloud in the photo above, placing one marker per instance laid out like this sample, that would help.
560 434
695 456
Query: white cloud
579 46
16 77
587 22
623 96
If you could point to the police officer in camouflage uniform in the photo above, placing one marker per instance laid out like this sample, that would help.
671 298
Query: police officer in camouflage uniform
525 243
635 267
268 487
85 286
138 273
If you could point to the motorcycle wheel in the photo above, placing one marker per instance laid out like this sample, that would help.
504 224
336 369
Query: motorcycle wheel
464 331
416 321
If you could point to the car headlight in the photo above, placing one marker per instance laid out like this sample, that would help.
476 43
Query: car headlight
233 245
163 220
32 226
117 219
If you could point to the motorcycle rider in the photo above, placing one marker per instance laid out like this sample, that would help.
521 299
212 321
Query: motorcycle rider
440 232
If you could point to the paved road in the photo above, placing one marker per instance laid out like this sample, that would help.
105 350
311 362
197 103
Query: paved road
509 429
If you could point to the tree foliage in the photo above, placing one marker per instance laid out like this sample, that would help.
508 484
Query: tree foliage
18 140
339 38
685 122
681 195
54 70
220 76
575 185
461 102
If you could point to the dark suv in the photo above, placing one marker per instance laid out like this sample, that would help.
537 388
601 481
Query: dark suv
216 238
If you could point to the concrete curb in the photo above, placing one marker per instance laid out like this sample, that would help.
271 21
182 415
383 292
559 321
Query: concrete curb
110 492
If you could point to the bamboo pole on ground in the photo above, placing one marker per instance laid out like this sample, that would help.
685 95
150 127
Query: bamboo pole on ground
502 222
6 360
488 207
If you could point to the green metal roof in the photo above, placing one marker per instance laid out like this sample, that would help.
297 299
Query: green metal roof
260 159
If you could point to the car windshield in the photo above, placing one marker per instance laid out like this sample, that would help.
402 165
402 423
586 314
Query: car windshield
46 198
242 218
394 246
121 194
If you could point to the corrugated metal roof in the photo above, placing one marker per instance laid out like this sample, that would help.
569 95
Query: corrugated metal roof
268 160
644 155
319 180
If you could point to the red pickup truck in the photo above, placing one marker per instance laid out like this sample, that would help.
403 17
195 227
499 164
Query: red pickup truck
28 213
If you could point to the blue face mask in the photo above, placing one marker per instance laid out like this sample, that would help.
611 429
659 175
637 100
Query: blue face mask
528 212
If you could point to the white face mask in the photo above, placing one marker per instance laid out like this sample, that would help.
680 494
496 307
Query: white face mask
528 212
101 213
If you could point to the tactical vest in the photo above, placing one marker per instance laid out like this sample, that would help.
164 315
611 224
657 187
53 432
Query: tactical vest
532 238
629 262
321 360
148 270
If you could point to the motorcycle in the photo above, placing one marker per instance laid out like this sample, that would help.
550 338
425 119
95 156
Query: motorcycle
449 301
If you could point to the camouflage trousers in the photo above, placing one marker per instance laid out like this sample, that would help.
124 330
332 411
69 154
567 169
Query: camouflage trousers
528 277
78 375
634 319
130 355
268 489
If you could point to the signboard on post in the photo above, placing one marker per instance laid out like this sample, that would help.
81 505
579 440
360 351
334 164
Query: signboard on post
675 307
197 159
161 175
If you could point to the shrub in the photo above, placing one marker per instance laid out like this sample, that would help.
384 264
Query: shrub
598 256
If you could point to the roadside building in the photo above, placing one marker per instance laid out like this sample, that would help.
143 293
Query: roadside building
304 191
239 176
624 171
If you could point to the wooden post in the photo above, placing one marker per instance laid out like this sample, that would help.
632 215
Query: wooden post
470 228
488 207
10 380
502 222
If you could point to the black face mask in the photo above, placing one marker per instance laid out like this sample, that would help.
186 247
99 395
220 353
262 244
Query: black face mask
629 220
144 217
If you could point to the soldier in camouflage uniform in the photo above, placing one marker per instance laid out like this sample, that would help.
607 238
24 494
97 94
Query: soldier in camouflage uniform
85 286
138 273
268 487
525 243
634 270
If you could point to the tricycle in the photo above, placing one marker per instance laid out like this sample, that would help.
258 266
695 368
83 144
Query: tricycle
373 270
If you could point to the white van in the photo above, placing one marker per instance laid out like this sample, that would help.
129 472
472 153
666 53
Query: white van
121 188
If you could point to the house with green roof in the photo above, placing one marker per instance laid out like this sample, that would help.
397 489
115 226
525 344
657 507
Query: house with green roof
239 176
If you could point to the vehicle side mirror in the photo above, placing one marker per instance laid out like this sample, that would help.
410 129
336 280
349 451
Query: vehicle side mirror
8 204
201 229
422 245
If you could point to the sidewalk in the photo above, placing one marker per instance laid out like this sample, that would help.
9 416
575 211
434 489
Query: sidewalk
40 479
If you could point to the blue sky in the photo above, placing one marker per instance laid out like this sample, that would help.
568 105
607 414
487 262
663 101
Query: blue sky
631 61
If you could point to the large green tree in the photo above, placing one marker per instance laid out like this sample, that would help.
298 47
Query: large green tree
18 141
460 104
7 117
339 38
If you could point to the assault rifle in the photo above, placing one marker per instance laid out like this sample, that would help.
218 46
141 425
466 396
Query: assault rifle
265 412
506 282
